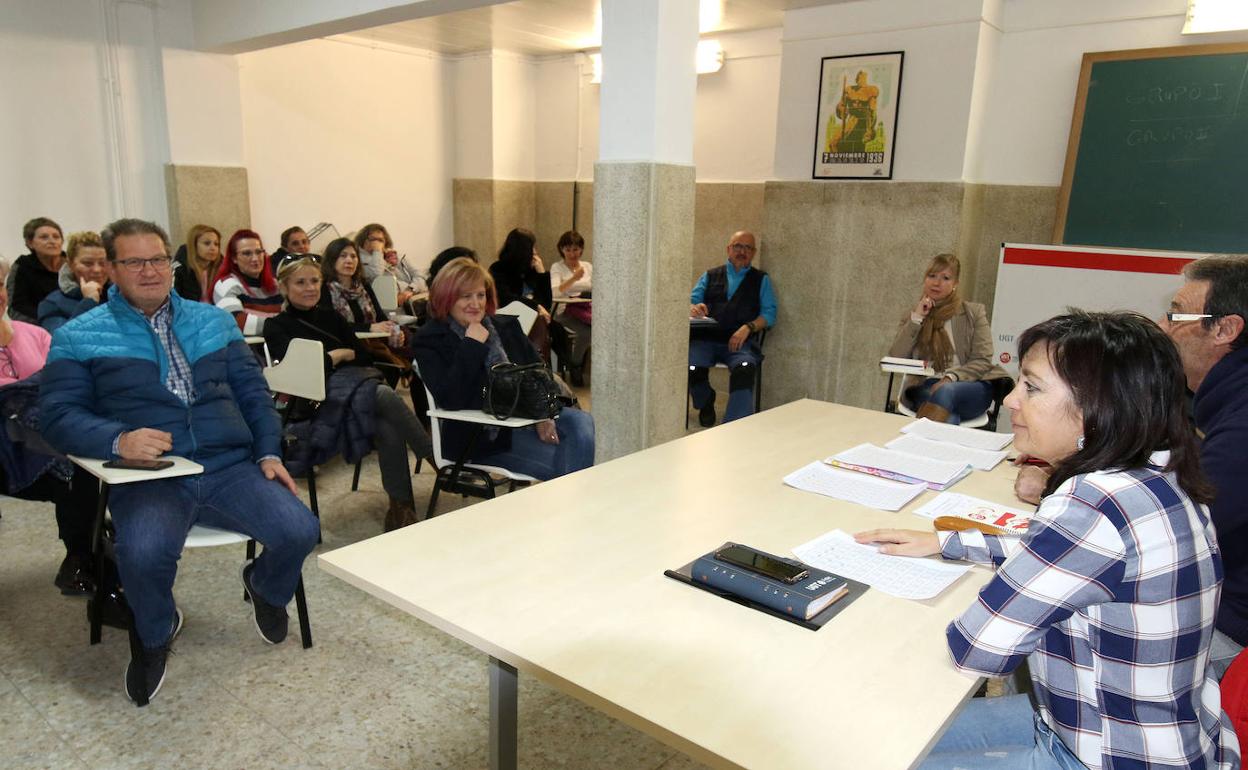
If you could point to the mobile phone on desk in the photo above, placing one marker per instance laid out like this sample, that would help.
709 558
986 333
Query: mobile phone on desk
748 559
139 465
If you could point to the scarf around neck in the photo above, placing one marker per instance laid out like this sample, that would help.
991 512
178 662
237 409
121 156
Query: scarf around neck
933 343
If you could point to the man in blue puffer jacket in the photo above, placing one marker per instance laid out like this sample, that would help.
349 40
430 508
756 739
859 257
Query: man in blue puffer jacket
146 374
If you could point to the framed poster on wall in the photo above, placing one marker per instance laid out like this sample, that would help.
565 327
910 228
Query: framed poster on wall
856 131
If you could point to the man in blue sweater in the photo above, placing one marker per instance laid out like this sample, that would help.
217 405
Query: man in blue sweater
739 298
146 374
1207 322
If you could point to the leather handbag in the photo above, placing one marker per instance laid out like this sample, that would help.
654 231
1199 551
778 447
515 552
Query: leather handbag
522 390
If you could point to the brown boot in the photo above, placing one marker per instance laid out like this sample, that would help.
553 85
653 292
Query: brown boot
394 515
932 412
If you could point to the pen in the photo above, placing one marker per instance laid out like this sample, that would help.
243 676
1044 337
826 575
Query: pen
1028 461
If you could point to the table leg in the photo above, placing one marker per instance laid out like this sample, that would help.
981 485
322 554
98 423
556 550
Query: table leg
503 719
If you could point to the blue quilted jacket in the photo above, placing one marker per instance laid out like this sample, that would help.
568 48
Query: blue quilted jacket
106 375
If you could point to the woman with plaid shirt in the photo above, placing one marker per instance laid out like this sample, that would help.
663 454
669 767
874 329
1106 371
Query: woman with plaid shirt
1112 593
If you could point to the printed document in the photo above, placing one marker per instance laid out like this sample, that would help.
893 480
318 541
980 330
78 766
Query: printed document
981 459
956 434
900 466
901 576
854 487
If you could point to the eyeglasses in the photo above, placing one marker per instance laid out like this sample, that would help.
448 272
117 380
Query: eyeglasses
742 247
1175 318
159 264
291 258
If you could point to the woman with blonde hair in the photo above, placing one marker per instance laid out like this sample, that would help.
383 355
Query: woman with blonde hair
954 337
197 264
83 282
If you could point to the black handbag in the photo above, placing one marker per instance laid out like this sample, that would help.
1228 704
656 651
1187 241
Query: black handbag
522 390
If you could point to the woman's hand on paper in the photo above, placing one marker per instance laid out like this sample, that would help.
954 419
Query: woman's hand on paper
901 542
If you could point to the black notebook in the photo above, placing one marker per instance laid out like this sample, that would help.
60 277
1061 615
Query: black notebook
856 589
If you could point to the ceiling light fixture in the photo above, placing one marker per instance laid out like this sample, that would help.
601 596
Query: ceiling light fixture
708 58
1215 16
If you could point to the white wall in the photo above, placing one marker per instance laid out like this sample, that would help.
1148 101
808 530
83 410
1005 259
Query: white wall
82 138
514 96
471 81
941 41
734 114
203 108
349 134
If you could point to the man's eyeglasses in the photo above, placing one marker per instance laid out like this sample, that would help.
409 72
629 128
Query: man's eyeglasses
159 264
1175 318
742 247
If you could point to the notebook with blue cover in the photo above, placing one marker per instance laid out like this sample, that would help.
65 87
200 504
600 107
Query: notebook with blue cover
854 589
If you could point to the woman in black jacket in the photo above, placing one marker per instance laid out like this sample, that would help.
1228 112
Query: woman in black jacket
520 275
455 351
395 428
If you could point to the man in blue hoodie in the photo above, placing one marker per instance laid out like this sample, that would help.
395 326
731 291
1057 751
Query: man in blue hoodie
1206 320
146 374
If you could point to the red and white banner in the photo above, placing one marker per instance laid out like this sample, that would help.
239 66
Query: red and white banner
1038 282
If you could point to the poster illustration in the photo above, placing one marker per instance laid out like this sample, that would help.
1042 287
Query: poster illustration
856 133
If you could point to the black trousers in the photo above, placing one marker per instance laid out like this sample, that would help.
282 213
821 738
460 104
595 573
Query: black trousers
75 502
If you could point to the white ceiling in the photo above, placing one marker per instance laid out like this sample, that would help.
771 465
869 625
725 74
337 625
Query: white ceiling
542 27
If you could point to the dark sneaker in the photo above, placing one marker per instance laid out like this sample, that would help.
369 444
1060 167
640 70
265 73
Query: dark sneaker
74 577
706 415
147 672
272 622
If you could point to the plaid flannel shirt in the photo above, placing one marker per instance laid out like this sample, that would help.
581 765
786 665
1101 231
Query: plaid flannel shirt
1111 596
179 380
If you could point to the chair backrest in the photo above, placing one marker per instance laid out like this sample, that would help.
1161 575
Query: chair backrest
435 425
386 287
301 373
525 314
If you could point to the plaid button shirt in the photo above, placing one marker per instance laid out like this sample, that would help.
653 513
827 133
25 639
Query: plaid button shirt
178 380
1111 596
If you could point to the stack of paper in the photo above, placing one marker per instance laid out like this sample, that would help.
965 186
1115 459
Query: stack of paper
854 487
917 364
900 466
902 576
956 434
975 509
981 459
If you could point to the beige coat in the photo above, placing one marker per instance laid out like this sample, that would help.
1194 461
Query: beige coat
972 339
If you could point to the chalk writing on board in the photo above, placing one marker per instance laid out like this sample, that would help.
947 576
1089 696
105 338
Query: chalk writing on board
1168 135
1195 92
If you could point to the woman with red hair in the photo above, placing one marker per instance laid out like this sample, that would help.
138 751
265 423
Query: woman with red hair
244 285
455 350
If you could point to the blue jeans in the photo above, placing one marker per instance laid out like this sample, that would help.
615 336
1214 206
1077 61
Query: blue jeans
703 354
533 457
152 518
963 400
1001 734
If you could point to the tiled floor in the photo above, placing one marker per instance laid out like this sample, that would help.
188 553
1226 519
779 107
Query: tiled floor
378 690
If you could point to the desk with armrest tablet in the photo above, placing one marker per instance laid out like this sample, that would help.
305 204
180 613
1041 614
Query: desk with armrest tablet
576 596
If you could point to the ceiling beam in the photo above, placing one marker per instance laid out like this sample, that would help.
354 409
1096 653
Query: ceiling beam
238 26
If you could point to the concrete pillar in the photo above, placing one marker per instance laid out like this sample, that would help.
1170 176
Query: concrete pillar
643 223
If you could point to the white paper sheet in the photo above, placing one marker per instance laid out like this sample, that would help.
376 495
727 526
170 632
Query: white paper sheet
956 434
966 507
900 576
868 457
854 487
982 459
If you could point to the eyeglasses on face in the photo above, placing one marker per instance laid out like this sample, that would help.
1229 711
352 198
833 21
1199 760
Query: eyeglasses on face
1175 318
747 248
136 265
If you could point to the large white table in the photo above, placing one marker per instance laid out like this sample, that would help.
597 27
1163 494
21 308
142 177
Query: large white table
564 581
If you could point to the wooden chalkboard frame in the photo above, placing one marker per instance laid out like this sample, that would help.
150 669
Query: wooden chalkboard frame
1081 98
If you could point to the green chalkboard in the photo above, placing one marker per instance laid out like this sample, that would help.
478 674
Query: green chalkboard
1158 154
